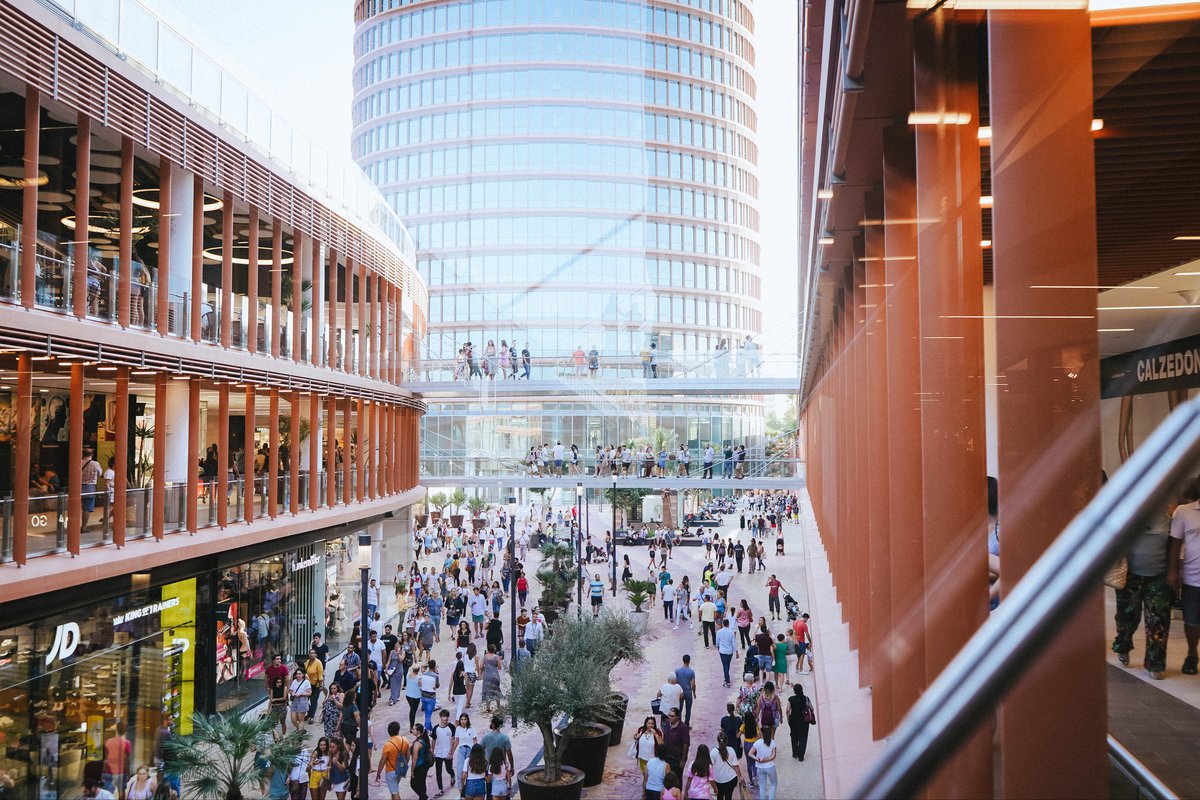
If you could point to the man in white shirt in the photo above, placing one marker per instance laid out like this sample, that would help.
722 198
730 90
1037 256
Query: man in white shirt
375 650
708 461
1185 542
559 452
443 737
726 647
534 632
478 605
671 695
708 620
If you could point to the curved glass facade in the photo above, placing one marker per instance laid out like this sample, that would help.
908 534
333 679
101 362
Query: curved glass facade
575 172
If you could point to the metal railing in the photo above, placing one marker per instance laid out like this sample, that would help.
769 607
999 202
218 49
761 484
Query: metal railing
1145 784
718 365
1022 627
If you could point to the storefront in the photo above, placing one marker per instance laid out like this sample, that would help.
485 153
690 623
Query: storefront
130 654
68 681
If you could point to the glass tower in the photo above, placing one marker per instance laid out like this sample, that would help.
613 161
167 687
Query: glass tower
576 174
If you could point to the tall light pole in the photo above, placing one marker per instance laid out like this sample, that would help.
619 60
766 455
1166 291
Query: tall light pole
512 595
614 537
364 673
579 549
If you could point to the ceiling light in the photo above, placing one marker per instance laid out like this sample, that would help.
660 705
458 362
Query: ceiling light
1187 239
867 259
1097 125
43 358
985 133
1093 287
107 369
985 201
825 240
1114 330
144 372
825 194
985 244
999 5
1187 274
939 118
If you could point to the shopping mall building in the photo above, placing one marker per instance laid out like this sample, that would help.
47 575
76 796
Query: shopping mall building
576 175
200 405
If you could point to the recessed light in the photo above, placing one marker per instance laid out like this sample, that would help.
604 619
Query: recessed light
825 194
985 201
1065 286
939 118
1114 330
985 244
1187 239
1149 308
825 240
107 369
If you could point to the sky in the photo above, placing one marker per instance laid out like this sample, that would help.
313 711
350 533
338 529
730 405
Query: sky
298 56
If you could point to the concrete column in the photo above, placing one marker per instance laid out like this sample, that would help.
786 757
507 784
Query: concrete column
1048 466
376 531
906 638
158 482
162 308
180 457
951 309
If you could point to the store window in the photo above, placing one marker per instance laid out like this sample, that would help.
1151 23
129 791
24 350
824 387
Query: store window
80 688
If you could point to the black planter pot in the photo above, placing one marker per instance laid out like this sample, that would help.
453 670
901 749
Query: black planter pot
550 613
617 720
588 752
570 789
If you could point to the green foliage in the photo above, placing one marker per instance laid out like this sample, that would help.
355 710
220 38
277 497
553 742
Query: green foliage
570 676
141 465
556 574
478 505
639 592
439 501
626 499
457 499
663 439
216 761
285 428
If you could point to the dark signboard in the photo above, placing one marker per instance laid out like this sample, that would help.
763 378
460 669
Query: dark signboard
1173 365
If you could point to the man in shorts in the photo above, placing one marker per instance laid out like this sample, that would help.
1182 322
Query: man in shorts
1185 542
395 746
89 476
596 589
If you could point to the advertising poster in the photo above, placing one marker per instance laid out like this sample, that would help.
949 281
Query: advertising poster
179 633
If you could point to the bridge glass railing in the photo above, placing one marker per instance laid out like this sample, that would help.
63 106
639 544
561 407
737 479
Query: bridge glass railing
450 466
728 365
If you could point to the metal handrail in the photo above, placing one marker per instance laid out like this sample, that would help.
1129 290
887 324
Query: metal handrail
1148 785
1023 626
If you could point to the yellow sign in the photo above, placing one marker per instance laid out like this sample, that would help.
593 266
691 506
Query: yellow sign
179 637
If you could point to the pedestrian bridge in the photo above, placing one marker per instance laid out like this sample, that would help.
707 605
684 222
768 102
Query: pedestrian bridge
569 482
584 387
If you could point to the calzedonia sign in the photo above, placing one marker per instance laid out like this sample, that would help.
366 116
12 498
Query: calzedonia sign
1173 365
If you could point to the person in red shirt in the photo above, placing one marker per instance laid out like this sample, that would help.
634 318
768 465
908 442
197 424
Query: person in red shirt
773 597
803 641
522 587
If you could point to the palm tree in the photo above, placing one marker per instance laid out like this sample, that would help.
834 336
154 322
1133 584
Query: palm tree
217 760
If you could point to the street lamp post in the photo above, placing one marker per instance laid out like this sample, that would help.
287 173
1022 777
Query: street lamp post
364 756
579 549
614 537
514 575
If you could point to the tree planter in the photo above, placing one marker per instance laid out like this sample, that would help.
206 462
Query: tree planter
551 614
456 520
569 788
436 516
588 751
421 520
479 524
617 720
640 620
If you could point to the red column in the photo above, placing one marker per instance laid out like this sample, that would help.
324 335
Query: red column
953 465
362 429
222 491
159 480
192 500
252 283
314 472
363 318
83 173
273 455
125 240
862 457
248 458
121 458
276 285
297 297
197 265
227 271
878 522
348 323
373 452
75 460
318 352
162 310
330 451
905 506
294 454
1044 233
29 197
347 451
332 269
21 457
376 337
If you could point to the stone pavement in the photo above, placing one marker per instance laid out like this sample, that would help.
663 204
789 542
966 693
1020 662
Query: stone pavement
664 646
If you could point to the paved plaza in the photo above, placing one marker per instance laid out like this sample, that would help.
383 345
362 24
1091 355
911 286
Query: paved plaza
664 647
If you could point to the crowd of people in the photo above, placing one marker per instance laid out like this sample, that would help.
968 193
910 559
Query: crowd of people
638 460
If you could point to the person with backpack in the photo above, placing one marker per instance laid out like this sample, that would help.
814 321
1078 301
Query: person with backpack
421 757
394 764
769 710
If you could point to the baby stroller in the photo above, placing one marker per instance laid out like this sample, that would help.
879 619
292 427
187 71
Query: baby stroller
792 607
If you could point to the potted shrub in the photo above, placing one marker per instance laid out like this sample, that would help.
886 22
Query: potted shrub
217 760
439 500
639 593
478 507
456 502
557 578
570 678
